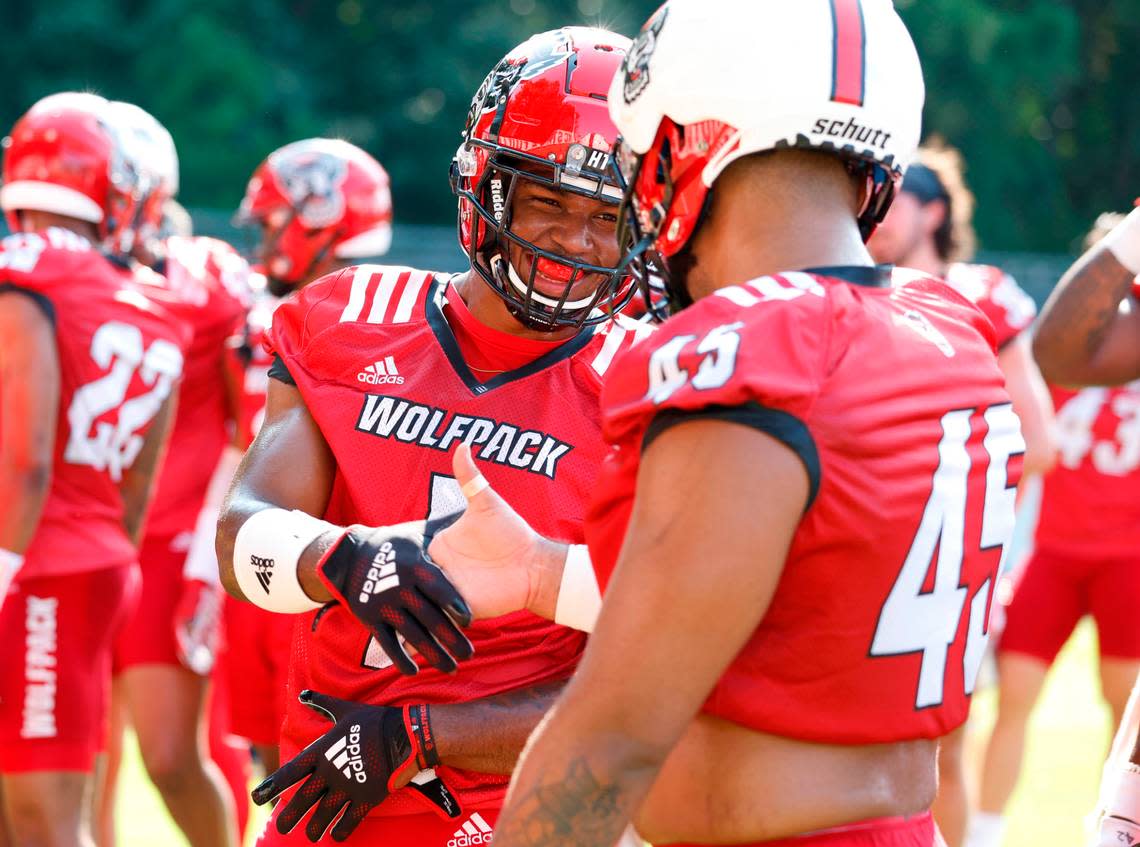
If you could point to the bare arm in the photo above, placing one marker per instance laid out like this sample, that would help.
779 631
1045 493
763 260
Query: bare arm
137 485
288 466
1089 331
488 735
29 406
1032 403
652 659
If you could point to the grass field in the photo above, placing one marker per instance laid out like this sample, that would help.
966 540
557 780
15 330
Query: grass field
1069 735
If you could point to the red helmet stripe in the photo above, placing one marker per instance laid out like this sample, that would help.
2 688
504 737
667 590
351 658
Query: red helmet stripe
849 52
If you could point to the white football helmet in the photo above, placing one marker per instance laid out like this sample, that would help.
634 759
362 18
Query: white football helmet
709 81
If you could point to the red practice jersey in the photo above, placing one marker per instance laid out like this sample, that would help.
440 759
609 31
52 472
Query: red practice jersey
255 359
997 294
380 371
120 355
207 283
1090 508
892 397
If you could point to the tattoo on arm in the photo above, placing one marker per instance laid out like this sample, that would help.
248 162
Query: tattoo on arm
571 809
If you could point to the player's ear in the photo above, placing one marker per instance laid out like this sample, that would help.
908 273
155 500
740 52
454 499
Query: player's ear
934 216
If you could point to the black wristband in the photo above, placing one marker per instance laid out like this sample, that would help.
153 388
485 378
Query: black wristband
419 725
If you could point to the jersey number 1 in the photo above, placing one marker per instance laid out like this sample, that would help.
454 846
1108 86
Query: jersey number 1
926 622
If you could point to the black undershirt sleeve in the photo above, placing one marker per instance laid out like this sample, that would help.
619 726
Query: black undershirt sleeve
40 300
281 373
783 426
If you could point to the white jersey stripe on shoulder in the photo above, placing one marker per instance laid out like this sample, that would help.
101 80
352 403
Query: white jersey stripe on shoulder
388 280
804 282
739 296
782 287
358 294
609 349
642 331
410 297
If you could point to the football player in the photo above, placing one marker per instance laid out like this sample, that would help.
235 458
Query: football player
88 365
379 372
1084 562
318 204
929 228
164 655
800 529
1089 334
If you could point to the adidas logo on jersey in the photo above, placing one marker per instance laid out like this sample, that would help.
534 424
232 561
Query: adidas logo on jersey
264 570
381 373
345 755
474 831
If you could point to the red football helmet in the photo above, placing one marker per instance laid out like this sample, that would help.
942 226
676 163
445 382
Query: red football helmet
541 115
314 197
64 156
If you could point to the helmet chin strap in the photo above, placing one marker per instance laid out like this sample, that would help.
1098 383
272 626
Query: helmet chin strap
503 269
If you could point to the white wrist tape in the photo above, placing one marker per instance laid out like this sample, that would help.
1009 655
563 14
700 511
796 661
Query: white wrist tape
1124 241
579 598
1124 801
267 550
10 564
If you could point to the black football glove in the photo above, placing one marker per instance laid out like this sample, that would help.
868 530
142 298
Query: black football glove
370 752
385 579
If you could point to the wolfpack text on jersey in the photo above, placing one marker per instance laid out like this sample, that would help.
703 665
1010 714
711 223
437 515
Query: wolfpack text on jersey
536 431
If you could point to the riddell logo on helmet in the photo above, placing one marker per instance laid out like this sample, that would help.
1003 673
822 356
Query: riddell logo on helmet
852 131
498 205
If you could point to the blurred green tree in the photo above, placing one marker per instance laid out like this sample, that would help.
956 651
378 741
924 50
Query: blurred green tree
1040 96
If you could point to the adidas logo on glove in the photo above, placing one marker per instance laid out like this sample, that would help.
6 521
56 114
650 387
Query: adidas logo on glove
345 755
474 831
381 373
382 575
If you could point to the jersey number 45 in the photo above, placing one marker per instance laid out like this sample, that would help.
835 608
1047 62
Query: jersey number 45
927 622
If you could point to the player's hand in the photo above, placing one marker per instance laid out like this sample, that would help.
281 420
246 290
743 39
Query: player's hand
385 579
197 625
369 753
490 552
1116 832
